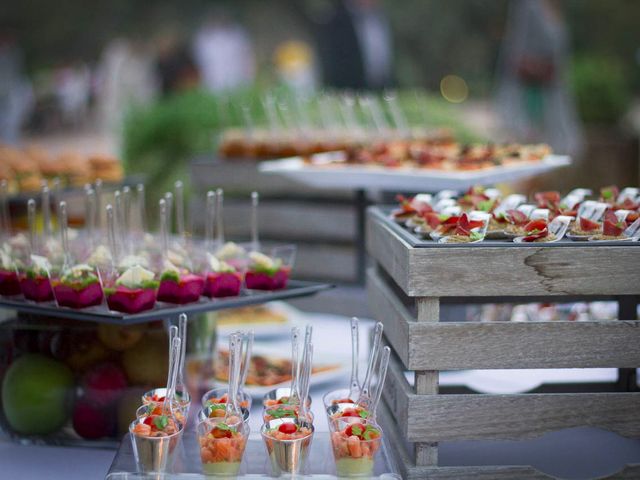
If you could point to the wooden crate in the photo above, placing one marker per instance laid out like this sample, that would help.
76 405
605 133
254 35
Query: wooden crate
406 289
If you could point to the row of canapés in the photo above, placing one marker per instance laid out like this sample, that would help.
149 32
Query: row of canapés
124 268
483 213
287 430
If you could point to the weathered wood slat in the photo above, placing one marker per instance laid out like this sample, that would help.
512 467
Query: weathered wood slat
438 418
473 345
504 271
411 471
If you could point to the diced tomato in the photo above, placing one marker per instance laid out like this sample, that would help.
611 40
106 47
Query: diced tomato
350 412
221 433
148 420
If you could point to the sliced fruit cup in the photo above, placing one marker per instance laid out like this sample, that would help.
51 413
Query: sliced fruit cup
180 287
219 410
78 287
348 411
156 396
222 446
280 396
288 441
284 411
270 271
155 439
355 446
218 396
337 396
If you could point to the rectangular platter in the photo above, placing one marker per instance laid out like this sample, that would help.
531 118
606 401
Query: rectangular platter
382 214
320 173
295 288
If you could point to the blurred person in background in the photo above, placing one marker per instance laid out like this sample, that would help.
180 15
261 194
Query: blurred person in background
295 66
223 53
72 86
16 97
533 97
127 79
175 66
355 46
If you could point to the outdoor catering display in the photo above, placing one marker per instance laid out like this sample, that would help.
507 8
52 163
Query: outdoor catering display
218 440
482 247
85 312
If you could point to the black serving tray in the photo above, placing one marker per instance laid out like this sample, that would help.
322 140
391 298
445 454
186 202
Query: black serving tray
294 289
383 214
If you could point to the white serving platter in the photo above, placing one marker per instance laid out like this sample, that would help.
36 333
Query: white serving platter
323 172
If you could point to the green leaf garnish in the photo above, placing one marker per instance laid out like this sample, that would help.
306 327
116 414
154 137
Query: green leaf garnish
476 236
356 430
170 276
281 413
223 426
161 422
218 406
485 205
607 194
363 414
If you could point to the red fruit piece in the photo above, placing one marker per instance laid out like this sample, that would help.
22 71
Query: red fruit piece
535 226
516 217
588 225
612 227
104 384
288 428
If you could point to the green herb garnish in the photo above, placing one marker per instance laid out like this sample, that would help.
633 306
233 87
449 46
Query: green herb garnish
161 422
170 276
476 236
356 430
363 414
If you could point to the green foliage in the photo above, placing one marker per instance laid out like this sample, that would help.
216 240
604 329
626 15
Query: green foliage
601 89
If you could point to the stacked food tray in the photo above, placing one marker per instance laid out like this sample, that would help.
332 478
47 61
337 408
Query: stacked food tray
412 278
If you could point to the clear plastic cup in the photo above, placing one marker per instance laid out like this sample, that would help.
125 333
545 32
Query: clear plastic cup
287 452
355 446
154 453
222 446
156 396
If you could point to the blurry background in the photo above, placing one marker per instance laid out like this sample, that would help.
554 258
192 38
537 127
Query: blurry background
152 81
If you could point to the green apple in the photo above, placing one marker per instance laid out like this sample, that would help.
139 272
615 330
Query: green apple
37 394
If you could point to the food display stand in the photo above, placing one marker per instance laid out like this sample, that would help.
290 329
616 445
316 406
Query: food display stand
408 284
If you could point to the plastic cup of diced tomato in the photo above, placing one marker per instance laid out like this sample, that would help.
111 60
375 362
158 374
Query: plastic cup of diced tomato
222 446
355 446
